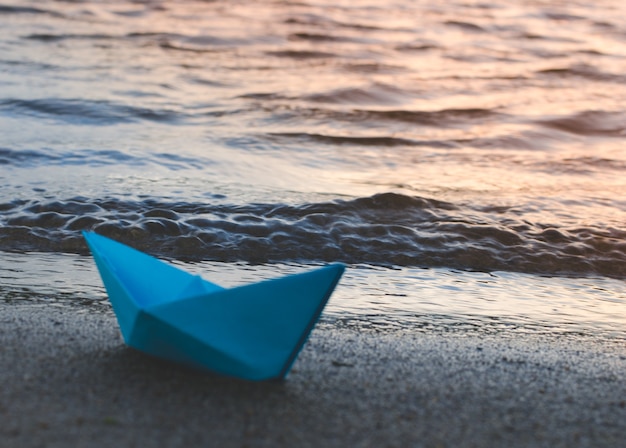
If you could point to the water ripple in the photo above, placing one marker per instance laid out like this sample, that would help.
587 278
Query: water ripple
384 229
591 123
97 158
83 111
10 9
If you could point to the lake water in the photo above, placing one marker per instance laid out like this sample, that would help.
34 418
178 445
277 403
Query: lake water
466 160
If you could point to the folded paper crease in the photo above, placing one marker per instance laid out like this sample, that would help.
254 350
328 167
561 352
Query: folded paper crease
253 331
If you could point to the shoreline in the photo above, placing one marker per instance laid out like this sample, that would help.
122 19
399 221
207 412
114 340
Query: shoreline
67 379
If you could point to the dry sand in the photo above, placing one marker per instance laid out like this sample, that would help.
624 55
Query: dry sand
67 380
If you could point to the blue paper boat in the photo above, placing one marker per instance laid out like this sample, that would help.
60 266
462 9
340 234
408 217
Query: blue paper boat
254 332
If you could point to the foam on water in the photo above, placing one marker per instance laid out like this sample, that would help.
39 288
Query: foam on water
384 229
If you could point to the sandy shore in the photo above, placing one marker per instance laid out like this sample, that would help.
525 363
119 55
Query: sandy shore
66 379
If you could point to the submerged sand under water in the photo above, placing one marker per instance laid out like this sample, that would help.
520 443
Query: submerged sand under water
423 300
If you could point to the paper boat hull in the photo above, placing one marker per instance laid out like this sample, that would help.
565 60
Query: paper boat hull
253 331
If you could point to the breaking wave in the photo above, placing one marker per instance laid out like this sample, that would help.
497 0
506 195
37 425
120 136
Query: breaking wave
385 229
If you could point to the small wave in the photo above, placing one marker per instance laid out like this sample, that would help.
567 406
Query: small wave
302 54
166 45
465 26
442 118
168 41
417 47
308 19
10 9
44 37
84 111
132 13
323 21
598 163
30 64
206 82
563 17
439 118
547 37
482 57
583 71
197 44
374 67
32 158
153 35
23 158
590 123
592 52
581 165
525 140
379 94
359 141
95 158
265 96
384 229
315 37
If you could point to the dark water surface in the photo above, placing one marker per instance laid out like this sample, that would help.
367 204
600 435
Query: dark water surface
424 144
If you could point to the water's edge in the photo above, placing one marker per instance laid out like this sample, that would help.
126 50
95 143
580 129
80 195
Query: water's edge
432 300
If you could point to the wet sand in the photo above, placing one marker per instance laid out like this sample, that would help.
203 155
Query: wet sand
66 379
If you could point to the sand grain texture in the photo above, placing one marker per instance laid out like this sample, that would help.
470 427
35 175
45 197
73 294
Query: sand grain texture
66 379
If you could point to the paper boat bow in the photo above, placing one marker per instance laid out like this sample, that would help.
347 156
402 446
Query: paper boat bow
253 332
